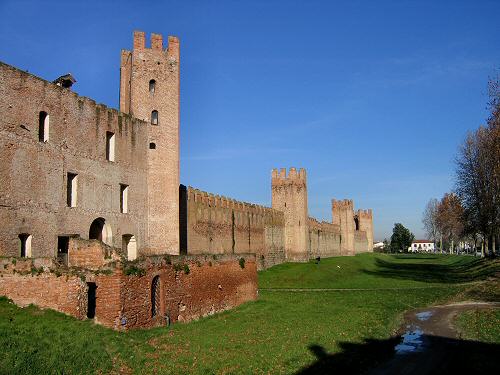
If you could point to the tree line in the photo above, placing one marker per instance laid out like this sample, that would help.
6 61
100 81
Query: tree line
470 214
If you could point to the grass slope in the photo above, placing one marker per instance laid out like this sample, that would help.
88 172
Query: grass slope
282 332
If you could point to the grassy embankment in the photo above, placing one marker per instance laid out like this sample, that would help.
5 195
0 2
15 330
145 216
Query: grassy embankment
283 332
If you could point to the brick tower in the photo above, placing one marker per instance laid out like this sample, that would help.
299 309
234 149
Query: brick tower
289 194
343 215
149 90
365 218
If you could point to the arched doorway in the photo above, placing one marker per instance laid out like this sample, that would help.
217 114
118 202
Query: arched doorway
155 296
129 246
100 230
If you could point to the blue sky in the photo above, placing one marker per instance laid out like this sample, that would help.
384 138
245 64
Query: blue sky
371 97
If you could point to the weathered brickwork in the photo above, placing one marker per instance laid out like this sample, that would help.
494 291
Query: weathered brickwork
324 239
150 82
94 219
26 283
33 174
220 225
189 288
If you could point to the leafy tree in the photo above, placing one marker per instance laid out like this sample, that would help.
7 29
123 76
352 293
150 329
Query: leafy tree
387 246
450 219
401 238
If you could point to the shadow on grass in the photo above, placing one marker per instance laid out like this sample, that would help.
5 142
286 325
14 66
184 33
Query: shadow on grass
457 272
442 356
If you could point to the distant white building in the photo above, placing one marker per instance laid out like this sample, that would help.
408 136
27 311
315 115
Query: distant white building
421 246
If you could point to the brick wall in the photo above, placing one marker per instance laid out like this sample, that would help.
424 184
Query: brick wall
360 242
324 239
212 285
64 293
123 300
33 174
220 225
91 254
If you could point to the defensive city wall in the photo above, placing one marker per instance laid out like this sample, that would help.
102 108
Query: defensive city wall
95 223
220 225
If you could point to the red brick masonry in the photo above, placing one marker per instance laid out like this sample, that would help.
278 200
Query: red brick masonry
190 288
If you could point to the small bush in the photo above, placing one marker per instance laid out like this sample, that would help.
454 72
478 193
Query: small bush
14 261
133 270
186 269
242 262
177 267
36 271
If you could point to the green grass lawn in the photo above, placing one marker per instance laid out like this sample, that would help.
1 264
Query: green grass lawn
480 325
279 333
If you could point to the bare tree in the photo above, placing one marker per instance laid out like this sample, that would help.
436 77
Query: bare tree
478 174
429 219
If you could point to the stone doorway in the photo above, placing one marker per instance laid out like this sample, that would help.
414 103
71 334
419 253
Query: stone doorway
91 298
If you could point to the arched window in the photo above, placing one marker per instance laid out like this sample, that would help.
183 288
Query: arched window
152 86
100 230
155 296
154 117
43 127
25 240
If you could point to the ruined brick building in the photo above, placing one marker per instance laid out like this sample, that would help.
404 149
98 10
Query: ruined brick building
92 209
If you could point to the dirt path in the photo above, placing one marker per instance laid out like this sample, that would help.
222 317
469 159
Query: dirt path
429 342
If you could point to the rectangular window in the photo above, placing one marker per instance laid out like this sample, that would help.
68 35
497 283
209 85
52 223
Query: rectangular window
123 198
72 189
110 146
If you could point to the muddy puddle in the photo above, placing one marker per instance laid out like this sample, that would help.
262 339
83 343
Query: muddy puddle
413 339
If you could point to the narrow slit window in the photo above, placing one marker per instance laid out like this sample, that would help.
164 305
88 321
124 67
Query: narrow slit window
123 198
154 118
110 146
152 146
43 127
72 189
25 242
152 86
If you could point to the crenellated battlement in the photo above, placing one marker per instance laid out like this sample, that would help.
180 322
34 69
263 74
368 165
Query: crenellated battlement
325 226
218 201
156 43
342 204
280 177
368 214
